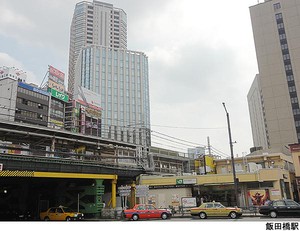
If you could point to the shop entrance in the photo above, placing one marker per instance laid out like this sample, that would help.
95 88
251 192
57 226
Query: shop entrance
219 193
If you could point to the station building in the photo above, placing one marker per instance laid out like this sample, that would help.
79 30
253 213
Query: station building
261 175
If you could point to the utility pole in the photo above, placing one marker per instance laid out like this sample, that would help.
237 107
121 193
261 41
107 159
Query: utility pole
208 146
232 157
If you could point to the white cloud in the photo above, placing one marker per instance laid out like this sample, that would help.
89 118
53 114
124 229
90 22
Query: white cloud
201 53
7 60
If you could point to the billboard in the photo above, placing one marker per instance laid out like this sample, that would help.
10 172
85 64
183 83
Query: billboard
258 197
56 79
57 73
88 98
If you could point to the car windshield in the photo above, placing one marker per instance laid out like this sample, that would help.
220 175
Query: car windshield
292 203
68 210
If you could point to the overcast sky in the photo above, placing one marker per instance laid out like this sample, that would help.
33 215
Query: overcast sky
201 53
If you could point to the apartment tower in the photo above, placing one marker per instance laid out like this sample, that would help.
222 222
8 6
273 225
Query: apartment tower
101 63
95 23
273 97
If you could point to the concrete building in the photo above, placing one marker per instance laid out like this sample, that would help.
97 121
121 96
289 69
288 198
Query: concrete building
295 150
23 102
258 124
269 175
168 162
95 23
273 100
12 73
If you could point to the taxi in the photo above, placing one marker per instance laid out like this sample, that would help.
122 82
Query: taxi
145 211
60 213
216 209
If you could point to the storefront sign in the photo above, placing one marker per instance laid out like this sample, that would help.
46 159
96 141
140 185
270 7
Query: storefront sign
275 192
58 95
31 88
186 181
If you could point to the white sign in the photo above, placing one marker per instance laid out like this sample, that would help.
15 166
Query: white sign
188 202
124 191
275 192
189 181
142 190
1 167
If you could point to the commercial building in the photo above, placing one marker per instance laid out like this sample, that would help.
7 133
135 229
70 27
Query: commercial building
120 77
100 62
295 150
83 114
261 176
58 97
95 23
273 97
23 102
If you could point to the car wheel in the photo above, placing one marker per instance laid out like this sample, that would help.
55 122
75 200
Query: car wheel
233 215
273 214
135 217
68 218
46 219
164 216
202 215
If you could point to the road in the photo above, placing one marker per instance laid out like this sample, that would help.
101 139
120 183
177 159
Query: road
254 223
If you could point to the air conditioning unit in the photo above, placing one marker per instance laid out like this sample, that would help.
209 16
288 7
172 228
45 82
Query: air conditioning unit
252 167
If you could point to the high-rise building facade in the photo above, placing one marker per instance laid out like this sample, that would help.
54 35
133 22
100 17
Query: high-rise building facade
100 62
273 97
120 77
95 23
258 124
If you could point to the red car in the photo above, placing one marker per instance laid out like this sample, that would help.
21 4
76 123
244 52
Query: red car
142 211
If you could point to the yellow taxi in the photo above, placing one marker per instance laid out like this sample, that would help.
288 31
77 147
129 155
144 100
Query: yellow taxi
61 213
216 209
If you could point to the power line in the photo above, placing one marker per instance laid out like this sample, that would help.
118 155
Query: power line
194 144
192 128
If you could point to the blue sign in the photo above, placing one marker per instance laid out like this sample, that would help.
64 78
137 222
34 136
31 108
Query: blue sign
31 88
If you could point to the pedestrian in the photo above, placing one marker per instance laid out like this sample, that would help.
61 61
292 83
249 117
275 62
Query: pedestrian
201 200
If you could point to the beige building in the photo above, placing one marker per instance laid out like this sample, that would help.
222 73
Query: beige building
269 175
295 149
273 97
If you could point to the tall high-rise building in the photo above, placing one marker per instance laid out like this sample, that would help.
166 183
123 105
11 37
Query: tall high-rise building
120 77
95 23
273 97
100 62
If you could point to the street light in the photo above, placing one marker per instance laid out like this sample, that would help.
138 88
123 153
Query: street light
232 157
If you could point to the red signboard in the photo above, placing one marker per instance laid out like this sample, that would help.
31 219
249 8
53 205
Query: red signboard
55 72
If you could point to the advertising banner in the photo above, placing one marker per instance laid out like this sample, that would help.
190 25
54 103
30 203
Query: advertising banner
57 73
258 197
188 202
55 85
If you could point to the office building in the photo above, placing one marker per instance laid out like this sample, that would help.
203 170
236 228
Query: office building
100 62
120 77
95 23
273 97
